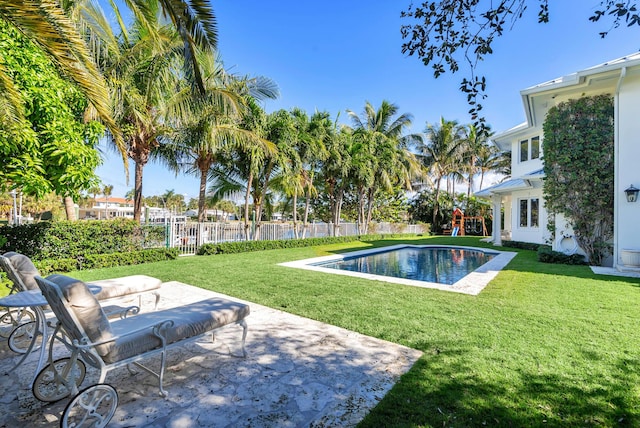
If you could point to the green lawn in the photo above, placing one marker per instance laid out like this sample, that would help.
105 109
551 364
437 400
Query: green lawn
542 345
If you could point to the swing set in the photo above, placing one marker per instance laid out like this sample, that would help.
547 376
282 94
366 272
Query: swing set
461 225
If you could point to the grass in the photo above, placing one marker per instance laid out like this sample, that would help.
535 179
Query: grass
542 345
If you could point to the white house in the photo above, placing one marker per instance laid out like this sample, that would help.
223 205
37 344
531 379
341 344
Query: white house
524 209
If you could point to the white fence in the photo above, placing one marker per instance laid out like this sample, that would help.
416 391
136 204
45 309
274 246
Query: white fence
189 236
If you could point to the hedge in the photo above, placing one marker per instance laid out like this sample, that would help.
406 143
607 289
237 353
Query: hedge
547 255
246 246
75 239
521 245
96 261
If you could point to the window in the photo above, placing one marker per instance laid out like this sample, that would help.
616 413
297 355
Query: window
524 212
535 147
534 212
524 150
529 212
530 149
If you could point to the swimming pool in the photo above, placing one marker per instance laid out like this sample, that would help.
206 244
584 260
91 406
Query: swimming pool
451 268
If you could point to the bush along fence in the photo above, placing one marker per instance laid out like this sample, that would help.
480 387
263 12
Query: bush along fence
246 246
189 237
75 239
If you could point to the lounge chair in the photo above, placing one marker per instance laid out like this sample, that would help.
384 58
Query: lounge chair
106 345
18 325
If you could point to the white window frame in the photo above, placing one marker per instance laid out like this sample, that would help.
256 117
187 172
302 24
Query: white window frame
529 151
529 224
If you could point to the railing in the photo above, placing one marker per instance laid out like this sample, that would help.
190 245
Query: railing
189 236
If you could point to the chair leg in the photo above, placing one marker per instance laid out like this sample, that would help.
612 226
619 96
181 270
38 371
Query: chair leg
243 323
157 295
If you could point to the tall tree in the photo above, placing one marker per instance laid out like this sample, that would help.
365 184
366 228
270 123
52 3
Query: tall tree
209 123
440 149
107 190
54 149
474 145
48 26
139 64
335 173
380 156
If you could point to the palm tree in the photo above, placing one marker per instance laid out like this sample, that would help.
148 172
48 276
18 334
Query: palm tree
312 148
334 172
439 151
474 146
210 125
140 65
106 191
265 166
380 157
491 159
49 26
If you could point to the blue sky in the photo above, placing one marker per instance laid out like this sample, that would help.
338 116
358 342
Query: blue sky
335 55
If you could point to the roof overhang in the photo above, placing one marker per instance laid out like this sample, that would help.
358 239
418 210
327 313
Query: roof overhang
505 187
594 80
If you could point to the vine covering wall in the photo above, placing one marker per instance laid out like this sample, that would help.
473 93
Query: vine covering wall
579 168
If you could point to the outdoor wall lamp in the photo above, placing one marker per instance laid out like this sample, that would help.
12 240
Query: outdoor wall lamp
632 193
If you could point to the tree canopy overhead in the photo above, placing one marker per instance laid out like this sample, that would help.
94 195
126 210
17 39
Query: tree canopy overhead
448 34
51 148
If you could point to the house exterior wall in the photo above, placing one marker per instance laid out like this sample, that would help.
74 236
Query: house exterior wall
518 167
627 230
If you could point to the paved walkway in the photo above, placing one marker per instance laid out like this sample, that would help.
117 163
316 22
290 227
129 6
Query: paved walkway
298 373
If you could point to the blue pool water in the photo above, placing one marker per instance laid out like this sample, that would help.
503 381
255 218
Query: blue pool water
442 265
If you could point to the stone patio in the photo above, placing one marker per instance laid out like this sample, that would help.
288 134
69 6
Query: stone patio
298 373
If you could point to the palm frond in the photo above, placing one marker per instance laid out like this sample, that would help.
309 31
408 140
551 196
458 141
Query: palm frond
46 24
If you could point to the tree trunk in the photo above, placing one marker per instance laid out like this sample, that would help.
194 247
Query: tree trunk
361 215
369 209
305 221
69 209
246 207
337 212
258 200
137 197
202 195
436 204
295 215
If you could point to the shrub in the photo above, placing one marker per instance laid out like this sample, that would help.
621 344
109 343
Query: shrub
547 255
246 246
74 239
96 261
521 245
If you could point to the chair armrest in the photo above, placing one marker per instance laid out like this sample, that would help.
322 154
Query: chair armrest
131 310
112 311
157 329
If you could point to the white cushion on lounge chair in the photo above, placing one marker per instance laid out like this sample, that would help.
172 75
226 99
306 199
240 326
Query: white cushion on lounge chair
25 268
86 309
123 286
188 321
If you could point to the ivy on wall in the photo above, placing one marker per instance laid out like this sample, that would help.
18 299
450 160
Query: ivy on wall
578 164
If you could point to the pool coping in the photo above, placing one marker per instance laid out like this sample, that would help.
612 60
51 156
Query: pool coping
472 284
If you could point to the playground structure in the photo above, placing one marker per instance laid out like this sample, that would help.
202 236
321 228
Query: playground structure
461 225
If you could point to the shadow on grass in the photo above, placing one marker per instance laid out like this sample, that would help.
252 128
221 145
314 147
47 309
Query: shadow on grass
442 390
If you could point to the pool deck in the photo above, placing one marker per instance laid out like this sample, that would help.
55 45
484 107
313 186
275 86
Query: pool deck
473 283
298 373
